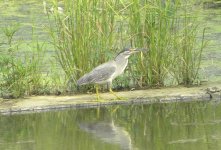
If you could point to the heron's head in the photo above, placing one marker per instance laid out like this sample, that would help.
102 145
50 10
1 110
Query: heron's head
126 52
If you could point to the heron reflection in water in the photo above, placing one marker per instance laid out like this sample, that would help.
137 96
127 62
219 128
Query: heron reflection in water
108 132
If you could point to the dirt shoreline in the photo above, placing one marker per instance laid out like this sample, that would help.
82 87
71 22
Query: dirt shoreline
163 95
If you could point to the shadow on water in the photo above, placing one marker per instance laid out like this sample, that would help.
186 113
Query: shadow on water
172 126
109 133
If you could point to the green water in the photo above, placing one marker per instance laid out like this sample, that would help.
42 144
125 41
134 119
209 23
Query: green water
172 126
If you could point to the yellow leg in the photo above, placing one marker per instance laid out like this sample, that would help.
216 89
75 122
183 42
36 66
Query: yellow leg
112 92
97 93
100 99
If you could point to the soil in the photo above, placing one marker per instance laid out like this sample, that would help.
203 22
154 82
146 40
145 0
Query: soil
207 91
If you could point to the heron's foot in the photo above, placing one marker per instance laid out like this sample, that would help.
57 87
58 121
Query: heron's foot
99 98
120 98
117 97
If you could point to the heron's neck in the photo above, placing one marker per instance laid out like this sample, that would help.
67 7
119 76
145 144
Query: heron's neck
121 59
121 62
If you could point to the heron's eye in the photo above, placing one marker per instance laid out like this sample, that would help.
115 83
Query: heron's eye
127 52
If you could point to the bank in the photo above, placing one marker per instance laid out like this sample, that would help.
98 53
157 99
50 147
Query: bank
207 91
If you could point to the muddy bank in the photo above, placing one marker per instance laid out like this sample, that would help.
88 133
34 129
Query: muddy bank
171 94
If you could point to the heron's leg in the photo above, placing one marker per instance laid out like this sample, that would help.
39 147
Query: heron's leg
99 98
97 92
112 92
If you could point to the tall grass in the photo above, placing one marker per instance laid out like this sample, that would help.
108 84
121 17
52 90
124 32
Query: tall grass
20 71
170 31
152 29
89 32
83 35
188 48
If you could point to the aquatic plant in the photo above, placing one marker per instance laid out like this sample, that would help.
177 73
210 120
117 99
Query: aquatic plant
188 50
170 31
20 72
88 33
10 31
83 35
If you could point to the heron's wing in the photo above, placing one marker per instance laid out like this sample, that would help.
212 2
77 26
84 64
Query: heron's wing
99 74
103 74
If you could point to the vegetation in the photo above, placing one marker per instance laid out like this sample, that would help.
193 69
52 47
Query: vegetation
20 72
94 29
90 32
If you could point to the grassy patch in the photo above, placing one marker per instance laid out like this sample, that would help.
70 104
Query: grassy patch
20 71
94 30
90 32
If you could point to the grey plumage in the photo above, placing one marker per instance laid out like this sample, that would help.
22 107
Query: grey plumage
97 75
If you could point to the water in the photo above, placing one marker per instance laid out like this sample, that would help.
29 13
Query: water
29 15
172 126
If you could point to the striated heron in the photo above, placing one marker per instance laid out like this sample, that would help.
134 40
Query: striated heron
107 72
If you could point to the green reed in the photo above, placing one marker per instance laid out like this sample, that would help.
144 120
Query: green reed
20 71
83 35
88 33
169 29
189 53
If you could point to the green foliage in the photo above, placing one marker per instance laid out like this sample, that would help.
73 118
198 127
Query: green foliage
170 31
9 32
20 72
88 30
188 52
83 35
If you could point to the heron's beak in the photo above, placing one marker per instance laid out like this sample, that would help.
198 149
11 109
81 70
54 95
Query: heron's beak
135 50
141 49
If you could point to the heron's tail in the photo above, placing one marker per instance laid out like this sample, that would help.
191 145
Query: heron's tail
84 80
80 81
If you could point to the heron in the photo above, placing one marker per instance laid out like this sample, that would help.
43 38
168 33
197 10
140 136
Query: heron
109 132
107 72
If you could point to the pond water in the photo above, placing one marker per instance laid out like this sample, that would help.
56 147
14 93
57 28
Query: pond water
172 126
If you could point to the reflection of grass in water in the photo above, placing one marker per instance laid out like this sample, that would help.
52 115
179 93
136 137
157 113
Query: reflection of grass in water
154 126
174 123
